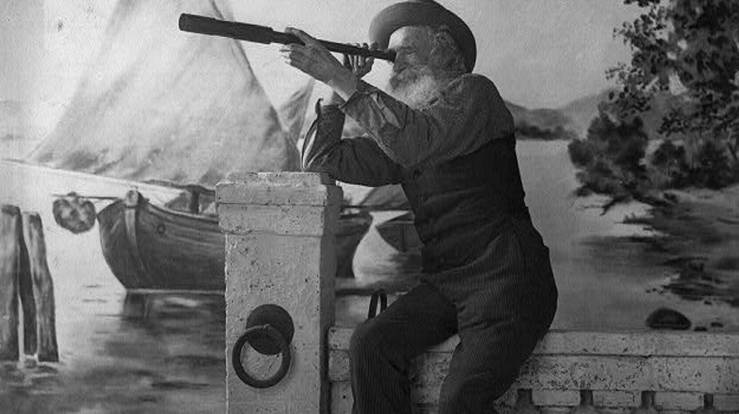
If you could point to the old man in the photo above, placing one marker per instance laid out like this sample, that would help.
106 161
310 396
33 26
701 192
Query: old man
446 136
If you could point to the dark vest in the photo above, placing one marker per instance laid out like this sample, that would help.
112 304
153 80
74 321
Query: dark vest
462 204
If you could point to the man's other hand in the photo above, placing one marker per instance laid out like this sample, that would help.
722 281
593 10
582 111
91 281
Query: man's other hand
360 65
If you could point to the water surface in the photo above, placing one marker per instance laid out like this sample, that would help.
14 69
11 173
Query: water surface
164 353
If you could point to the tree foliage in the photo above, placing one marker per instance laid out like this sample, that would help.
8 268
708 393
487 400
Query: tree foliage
684 66
610 158
688 48
669 167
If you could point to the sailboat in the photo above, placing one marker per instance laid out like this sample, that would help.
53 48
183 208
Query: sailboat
185 110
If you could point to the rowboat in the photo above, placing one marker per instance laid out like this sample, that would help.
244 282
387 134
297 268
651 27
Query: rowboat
150 247
400 233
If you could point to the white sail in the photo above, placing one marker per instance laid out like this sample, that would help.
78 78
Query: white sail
160 104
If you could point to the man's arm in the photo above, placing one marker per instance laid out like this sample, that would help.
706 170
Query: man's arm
466 115
352 160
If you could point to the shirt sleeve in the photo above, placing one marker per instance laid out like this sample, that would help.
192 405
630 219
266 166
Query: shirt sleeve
468 113
351 160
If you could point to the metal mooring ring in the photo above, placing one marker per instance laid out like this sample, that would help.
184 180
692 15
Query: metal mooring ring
261 332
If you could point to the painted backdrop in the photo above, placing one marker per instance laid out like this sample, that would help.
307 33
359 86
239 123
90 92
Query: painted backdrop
103 97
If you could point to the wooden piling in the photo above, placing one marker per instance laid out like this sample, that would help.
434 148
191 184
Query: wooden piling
10 251
43 287
28 304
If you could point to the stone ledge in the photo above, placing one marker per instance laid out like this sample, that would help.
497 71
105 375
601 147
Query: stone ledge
682 344
680 366
294 189
289 178
574 372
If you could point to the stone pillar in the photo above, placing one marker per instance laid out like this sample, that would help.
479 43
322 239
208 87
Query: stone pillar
280 250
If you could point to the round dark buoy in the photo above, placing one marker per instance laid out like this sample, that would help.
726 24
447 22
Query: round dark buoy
74 213
666 318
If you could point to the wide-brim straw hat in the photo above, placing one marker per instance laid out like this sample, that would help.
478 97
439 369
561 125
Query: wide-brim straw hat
423 13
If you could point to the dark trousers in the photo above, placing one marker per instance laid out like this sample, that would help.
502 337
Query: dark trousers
494 341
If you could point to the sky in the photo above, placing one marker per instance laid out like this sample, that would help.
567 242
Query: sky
21 41
540 53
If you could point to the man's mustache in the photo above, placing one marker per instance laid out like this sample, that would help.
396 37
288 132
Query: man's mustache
405 74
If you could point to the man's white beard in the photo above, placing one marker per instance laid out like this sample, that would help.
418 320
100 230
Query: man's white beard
415 86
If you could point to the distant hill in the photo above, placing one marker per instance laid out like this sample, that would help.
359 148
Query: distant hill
544 124
582 111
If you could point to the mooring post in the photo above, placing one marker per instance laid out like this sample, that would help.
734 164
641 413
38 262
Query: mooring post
10 251
43 287
280 269
28 302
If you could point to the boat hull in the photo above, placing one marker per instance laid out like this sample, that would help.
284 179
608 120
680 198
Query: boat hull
154 248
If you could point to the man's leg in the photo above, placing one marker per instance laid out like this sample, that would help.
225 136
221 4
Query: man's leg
381 349
507 301
486 363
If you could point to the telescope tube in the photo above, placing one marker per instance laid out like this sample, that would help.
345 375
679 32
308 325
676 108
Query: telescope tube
261 34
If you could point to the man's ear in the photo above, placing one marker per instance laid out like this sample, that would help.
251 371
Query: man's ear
445 52
443 36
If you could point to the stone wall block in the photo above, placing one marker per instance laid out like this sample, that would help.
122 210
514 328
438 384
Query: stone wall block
711 374
727 402
666 400
565 398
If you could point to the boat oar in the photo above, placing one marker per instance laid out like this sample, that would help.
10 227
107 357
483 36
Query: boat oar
73 194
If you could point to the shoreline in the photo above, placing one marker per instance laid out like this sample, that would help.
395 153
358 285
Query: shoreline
699 230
